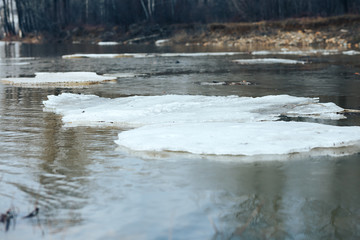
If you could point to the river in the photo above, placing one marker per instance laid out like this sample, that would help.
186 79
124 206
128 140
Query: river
87 188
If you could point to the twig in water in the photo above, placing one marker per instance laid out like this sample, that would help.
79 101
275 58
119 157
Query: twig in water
213 225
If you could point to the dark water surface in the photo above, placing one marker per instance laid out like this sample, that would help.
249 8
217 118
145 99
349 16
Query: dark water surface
86 188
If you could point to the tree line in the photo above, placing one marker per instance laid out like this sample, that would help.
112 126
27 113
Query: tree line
54 15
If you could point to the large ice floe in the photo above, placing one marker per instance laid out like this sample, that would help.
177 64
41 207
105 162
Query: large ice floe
58 79
211 125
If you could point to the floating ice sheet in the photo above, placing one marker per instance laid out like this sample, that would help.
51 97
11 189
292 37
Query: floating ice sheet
145 110
59 79
162 42
230 138
268 61
12 63
299 52
351 52
210 125
107 55
147 55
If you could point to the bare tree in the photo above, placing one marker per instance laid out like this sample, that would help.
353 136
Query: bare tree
8 13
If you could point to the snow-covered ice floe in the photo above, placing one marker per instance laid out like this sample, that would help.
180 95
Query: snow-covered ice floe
58 79
299 52
106 55
324 52
234 138
210 125
139 111
162 42
268 61
13 63
149 55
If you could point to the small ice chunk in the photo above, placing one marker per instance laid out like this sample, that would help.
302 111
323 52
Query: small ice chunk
351 52
107 43
107 55
268 61
299 52
162 42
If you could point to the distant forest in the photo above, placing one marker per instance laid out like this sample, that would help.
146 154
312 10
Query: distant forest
55 15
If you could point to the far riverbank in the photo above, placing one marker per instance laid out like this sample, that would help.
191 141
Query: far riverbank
333 32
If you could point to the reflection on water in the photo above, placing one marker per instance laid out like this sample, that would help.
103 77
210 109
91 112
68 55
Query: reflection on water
86 188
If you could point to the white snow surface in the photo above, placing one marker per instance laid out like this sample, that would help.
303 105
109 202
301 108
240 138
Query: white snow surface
106 55
210 125
58 78
147 110
233 138
268 61
149 55
162 42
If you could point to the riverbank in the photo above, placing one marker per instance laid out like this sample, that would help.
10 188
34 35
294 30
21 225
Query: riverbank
336 32
332 32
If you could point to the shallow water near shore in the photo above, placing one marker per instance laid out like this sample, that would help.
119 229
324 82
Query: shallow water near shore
86 187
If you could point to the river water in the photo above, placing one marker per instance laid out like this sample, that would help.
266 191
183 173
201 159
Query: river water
87 188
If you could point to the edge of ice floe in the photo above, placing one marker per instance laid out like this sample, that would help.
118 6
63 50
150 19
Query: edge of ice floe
172 155
251 139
